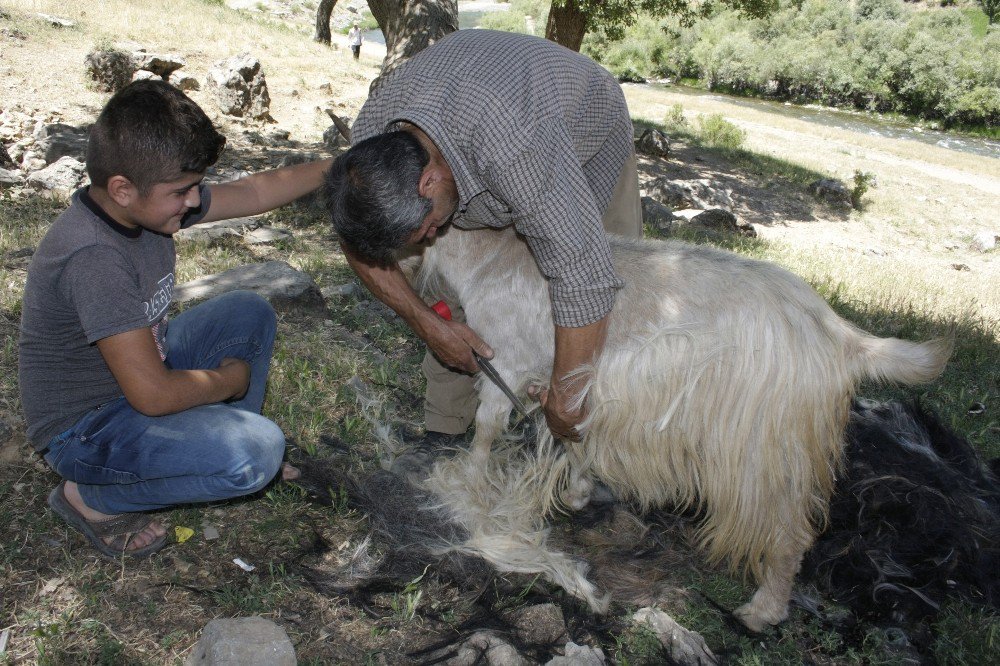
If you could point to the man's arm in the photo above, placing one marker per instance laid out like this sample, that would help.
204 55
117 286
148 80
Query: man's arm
452 342
155 390
264 191
575 347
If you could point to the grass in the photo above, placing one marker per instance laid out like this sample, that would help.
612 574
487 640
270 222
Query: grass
65 606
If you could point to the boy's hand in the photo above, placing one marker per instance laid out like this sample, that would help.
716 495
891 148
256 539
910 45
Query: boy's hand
239 371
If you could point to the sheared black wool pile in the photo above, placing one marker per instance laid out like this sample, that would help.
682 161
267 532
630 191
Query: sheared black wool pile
915 518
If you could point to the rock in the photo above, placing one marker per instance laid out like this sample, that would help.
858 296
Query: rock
274 280
210 532
57 21
61 179
143 75
656 216
267 235
961 267
11 177
579 655
246 641
111 69
161 64
653 142
684 646
482 647
239 87
58 140
183 81
213 230
697 193
332 138
542 624
711 221
6 431
984 241
831 191
340 291
5 159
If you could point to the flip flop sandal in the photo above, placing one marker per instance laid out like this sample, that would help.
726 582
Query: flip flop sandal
122 526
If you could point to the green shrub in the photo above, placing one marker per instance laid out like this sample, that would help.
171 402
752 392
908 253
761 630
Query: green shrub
717 132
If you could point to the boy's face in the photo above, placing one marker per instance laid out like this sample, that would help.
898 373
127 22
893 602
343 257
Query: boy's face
164 206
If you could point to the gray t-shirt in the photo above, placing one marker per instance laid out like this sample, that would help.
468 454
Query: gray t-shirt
90 278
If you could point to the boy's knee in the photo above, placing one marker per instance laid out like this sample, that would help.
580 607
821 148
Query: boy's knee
251 305
257 456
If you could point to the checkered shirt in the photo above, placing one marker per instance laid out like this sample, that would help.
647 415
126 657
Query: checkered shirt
536 136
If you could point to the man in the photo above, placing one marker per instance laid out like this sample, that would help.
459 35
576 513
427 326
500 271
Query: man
490 129
355 39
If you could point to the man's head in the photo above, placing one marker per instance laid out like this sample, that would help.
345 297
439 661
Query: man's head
388 191
150 133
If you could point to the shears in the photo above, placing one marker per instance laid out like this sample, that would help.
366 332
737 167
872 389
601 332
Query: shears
443 311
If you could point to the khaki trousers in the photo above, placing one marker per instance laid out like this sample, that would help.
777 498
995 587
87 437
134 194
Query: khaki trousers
450 399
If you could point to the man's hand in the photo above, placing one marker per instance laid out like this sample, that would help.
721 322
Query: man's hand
575 348
452 343
562 420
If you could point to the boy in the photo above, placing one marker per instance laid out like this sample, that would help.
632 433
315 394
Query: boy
133 413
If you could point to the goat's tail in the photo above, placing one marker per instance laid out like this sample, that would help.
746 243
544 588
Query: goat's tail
901 361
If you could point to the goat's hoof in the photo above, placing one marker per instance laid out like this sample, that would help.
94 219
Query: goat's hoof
757 619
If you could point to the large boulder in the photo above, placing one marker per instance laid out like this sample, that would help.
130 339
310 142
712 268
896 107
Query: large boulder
656 216
653 142
110 69
274 280
239 87
58 140
161 64
60 179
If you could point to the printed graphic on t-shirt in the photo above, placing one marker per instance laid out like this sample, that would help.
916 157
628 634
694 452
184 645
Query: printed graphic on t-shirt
157 305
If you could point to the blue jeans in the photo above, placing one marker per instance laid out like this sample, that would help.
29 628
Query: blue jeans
125 461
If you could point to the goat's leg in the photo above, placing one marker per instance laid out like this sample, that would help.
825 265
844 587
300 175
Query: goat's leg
491 421
769 604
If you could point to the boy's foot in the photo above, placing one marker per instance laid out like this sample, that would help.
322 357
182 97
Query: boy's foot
134 534
415 464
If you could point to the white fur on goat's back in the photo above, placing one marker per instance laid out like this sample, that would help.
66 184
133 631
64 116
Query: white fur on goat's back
725 382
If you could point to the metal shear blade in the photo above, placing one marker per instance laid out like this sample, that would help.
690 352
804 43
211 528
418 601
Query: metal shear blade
494 377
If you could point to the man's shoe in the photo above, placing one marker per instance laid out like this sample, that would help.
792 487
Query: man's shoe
416 463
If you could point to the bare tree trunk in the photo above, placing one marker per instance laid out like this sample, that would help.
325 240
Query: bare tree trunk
410 26
567 25
323 21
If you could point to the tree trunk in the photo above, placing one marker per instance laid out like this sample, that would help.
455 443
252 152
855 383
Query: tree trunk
567 24
323 21
410 26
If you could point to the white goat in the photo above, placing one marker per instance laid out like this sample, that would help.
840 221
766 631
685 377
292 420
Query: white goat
725 385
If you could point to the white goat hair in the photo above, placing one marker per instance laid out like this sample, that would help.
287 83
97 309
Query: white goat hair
725 385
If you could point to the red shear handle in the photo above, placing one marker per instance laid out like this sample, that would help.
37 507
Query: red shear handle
442 309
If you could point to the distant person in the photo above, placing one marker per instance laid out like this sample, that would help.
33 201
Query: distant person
355 39
136 412
493 129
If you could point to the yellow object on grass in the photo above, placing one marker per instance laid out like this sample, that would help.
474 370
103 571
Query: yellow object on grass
183 533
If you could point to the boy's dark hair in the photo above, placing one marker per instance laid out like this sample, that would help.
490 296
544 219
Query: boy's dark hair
372 193
151 132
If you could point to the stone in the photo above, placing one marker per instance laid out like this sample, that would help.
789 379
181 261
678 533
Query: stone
5 159
57 21
61 178
984 241
143 75
656 216
653 142
483 647
161 64
59 140
210 231
245 641
579 655
340 291
696 193
239 87
11 177
267 235
111 69
210 532
831 191
274 280
541 624
685 647
184 82
332 138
